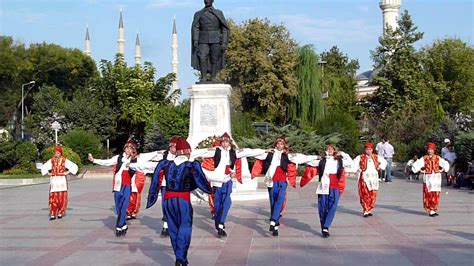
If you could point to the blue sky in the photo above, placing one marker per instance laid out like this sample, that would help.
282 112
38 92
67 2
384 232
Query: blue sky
353 25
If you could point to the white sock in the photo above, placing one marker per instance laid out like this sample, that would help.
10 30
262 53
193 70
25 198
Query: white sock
124 227
272 223
165 225
276 228
432 212
221 226
325 230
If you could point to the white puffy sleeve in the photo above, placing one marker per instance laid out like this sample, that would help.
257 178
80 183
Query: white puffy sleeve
346 159
71 167
147 167
250 153
356 164
417 165
151 156
300 158
106 162
46 167
382 162
444 164
204 153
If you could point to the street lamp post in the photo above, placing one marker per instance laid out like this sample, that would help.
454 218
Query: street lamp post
22 106
56 126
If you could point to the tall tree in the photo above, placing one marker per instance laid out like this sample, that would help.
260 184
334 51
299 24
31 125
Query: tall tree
448 65
400 78
339 81
307 106
261 62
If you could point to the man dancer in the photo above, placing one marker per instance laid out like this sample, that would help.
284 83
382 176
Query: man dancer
278 167
332 178
182 177
367 167
431 166
123 180
58 168
227 167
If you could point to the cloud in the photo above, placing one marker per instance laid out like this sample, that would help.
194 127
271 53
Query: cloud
330 29
174 4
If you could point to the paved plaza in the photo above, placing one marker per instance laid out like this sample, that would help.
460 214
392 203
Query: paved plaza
399 233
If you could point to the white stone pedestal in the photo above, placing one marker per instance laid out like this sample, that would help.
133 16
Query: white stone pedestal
210 111
209 116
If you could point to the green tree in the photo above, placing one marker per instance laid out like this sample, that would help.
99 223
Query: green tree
339 81
448 65
82 142
400 79
307 106
260 67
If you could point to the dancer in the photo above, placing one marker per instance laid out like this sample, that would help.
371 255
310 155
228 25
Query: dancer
58 168
332 179
431 166
367 168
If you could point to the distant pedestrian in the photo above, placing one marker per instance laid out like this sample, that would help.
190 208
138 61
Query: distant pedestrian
450 156
408 172
388 152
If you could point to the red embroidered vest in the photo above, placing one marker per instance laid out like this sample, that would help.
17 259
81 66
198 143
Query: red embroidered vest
58 166
431 164
363 162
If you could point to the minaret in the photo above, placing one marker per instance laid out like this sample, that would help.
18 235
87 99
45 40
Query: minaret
390 10
87 50
138 51
174 62
121 37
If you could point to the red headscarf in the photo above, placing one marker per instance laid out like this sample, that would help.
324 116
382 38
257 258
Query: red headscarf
58 149
431 146
369 145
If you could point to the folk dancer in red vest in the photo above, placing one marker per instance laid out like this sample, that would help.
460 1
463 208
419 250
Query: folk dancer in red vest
125 183
58 168
277 165
367 168
332 181
431 166
228 166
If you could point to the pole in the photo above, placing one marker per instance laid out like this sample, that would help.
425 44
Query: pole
56 136
22 110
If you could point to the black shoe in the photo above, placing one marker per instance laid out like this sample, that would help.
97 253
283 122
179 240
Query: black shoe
128 217
118 232
52 218
436 214
164 232
325 234
370 214
275 233
133 217
124 231
432 214
221 233
366 215
272 228
60 216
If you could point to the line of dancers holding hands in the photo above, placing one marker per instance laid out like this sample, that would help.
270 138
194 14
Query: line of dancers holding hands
176 174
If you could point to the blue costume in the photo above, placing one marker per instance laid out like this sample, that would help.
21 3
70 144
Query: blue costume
182 177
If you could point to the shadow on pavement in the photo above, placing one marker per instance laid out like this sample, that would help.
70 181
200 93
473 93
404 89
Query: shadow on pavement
154 251
401 209
464 235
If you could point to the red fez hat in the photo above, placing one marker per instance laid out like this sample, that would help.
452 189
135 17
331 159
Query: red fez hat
369 145
173 141
431 146
58 149
182 147
225 137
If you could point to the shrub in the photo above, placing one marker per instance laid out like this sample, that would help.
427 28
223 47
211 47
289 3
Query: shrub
464 145
26 152
67 152
82 142
346 126
21 169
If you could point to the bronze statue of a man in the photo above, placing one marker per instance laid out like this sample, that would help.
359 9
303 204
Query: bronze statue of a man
210 37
